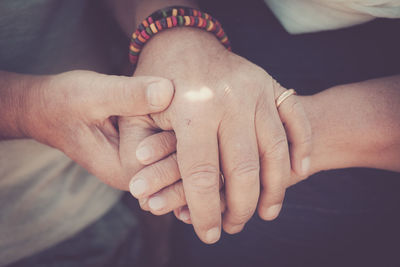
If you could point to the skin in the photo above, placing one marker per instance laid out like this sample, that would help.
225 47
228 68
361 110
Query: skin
353 125
205 119
200 170
76 112
210 123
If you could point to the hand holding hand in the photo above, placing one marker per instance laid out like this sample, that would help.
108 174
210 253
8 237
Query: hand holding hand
76 113
223 113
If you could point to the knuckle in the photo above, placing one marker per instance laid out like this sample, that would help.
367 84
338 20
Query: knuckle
240 217
203 178
159 173
244 170
277 149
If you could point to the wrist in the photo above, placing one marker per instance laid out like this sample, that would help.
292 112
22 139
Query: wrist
332 146
186 45
15 89
173 17
31 109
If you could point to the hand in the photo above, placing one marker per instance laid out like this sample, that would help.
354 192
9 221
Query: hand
75 112
224 112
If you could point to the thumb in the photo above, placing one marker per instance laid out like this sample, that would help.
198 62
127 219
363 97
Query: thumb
132 96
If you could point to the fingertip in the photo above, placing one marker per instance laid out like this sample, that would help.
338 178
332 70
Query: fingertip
233 229
157 203
184 214
138 187
212 236
159 94
144 154
269 213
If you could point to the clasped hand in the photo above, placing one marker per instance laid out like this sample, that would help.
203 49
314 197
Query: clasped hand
222 120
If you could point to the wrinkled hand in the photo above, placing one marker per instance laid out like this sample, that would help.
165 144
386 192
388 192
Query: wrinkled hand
76 113
224 115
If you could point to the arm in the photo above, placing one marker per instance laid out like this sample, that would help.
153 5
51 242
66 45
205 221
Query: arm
356 125
73 112
13 95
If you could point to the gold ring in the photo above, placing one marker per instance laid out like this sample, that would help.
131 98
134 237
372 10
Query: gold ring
284 96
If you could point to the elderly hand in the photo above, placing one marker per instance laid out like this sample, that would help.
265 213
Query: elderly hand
75 112
223 114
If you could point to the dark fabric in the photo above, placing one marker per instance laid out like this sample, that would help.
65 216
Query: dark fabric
335 218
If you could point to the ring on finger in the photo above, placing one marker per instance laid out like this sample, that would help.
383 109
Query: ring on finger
285 95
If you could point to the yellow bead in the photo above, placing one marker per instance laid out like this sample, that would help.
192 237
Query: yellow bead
153 28
131 47
210 26
187 21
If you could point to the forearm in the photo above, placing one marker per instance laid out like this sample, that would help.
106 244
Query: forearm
14 92
356 125
129 13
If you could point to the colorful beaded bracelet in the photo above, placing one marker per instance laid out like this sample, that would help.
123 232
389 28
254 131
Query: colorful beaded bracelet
174 17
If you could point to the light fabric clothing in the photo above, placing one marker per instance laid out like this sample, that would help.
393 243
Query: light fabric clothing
45 197
301 16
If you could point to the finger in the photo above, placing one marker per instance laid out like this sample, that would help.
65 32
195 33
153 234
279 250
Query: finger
132 130
183 214
240 165
198 162
156 147
97 155
274 160
169 199
154 177
132 96
298 130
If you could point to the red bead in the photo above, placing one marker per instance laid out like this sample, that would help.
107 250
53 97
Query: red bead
174 21
133 59
145 35
158 24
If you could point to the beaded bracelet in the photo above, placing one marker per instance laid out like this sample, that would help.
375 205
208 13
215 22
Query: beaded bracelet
174 17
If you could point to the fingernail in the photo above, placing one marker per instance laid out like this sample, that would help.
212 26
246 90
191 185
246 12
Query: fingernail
157 203
305 165
212 235
272 212
184 215
138 187
144 153
158 93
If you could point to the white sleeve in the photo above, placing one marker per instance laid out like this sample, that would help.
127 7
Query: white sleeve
301 16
